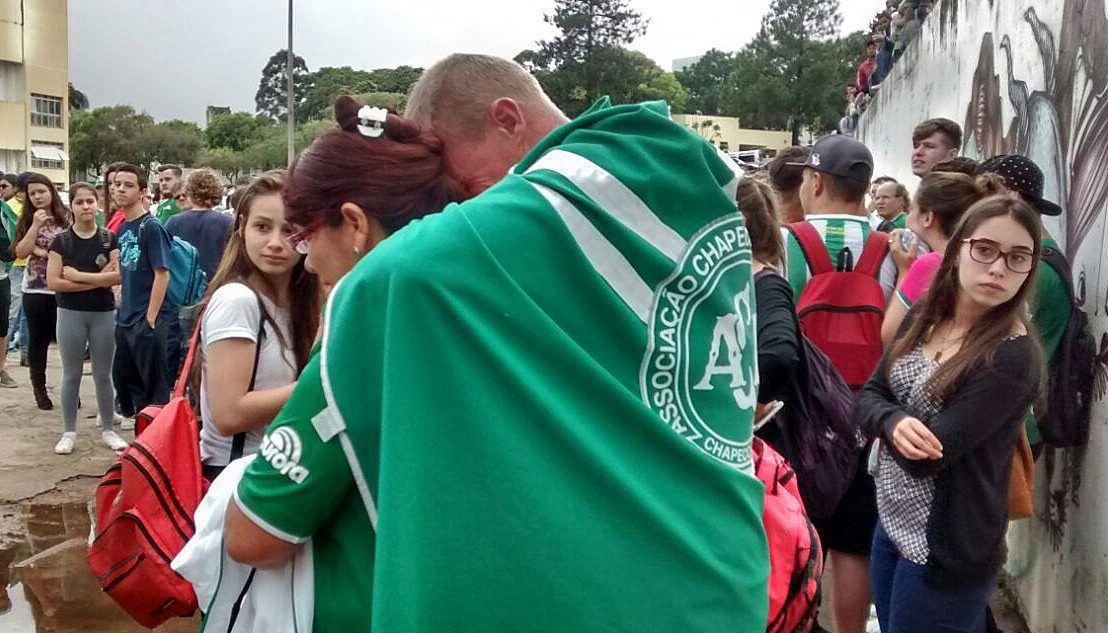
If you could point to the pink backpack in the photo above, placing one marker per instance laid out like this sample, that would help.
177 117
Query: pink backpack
795 555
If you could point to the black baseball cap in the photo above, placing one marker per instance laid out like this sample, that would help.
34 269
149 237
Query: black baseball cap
1022 175
841 156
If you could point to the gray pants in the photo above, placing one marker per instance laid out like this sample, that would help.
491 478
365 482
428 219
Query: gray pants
76 329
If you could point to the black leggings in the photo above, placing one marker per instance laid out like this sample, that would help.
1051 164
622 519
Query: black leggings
41 312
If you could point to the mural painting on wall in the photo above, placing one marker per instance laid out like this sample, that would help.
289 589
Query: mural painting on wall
1062 126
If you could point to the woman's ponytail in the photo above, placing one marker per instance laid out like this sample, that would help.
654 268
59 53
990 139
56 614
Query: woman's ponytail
989 184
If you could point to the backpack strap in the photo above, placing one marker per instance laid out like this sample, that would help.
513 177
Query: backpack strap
873 253
186 368
1057 261
807 237
238 441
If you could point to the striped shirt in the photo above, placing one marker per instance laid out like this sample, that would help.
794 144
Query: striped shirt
844 235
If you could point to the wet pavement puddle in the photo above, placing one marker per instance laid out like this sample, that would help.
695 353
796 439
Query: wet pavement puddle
45 583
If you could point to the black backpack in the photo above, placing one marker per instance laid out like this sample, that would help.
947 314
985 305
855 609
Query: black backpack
816 430
1070 371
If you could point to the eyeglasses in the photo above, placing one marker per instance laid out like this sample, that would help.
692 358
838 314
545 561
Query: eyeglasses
986 251
301 238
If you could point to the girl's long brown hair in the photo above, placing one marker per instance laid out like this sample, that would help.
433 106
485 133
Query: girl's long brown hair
57 209
756 202
939 304
236 266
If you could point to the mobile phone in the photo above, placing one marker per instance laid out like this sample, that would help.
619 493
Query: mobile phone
774 409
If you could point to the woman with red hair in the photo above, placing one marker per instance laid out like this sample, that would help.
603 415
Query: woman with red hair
350 189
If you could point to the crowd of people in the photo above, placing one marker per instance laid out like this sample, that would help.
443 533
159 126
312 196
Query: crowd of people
891 31
444 346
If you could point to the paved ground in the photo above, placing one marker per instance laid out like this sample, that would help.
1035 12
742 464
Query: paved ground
45 518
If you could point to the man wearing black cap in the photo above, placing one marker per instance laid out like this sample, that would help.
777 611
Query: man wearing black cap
833 189
836 176
1050 305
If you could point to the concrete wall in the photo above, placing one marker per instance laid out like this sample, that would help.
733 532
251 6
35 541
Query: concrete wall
1030 77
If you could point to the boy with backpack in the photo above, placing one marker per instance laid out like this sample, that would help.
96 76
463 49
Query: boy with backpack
1068 345
145 311
842 275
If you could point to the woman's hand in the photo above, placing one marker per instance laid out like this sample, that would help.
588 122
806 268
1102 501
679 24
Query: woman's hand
68 272
40 218
903 257
914 440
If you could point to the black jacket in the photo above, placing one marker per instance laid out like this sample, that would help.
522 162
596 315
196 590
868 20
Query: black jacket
978 426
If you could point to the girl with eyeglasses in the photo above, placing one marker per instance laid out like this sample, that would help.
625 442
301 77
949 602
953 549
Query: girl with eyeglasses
947 404
257 325
933 214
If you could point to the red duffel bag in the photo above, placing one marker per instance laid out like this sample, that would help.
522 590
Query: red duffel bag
144 508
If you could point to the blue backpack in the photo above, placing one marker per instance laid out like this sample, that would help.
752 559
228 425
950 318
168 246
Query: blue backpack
187 281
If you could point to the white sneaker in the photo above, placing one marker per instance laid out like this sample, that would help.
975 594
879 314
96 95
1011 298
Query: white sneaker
127 424
65 445
113 441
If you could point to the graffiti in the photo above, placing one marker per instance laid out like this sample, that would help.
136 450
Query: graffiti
1031 77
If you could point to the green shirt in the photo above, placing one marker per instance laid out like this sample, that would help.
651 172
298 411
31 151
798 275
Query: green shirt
545 395
322 505
1050 312
845 236
900 221
166 209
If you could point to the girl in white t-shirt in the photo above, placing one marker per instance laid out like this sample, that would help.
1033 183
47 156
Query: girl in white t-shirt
256 331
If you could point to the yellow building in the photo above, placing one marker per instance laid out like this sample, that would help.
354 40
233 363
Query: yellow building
726 133
34 88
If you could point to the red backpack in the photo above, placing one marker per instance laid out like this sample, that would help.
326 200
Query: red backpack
144 508
795 555
841 311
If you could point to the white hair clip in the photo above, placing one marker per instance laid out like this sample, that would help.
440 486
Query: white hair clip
371 121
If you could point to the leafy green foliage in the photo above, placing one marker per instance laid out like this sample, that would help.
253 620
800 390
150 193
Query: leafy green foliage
271 98
588 58
234 131
77 99
790 76
396 80
705 80
327 83
104 135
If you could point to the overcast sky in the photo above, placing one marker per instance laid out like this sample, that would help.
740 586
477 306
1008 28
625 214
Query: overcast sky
171 59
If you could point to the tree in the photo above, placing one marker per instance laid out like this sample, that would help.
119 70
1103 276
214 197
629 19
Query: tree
234 131
327 83
708 130
392 100
589 33
271 98
104 135
224 159
168 142
77 99
399 79
705 80
789 51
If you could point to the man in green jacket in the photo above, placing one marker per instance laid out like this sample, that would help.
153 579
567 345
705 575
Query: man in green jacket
1050 305
532 411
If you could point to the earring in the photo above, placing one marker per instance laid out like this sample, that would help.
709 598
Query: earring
357 251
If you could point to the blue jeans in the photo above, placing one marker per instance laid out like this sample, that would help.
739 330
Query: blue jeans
906 604
17 323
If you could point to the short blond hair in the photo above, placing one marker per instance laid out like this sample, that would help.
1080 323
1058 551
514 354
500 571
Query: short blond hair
454 93
204 188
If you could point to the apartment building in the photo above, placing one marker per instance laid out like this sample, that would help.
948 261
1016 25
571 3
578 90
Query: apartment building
34 88
725 133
